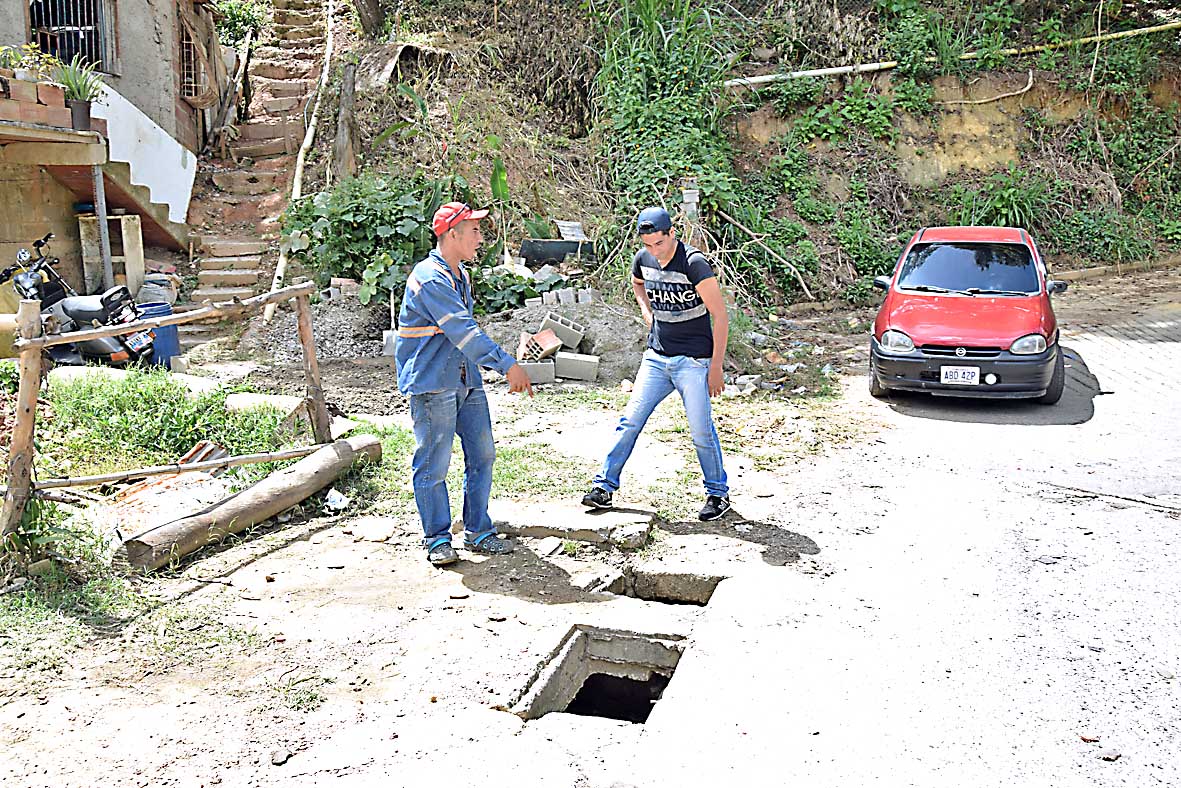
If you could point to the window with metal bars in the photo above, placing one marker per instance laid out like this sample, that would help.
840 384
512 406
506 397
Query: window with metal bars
192 75
65 28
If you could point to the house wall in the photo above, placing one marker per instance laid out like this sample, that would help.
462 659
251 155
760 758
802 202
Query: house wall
32 204
147 39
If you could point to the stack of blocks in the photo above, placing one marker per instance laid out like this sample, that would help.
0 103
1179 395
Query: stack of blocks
535 351
36 103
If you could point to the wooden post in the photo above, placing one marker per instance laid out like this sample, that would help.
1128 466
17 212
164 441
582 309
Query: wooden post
20 453
344 159
317 407
104 232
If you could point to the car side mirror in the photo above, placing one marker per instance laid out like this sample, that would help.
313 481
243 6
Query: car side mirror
882 282
1056 286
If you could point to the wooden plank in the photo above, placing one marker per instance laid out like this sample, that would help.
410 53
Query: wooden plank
20 451
317 407
223 309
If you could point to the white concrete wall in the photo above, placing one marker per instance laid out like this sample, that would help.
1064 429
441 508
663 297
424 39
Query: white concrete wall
157 161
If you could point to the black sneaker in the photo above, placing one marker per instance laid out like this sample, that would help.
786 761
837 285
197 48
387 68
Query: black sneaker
597 498
715 507
491 544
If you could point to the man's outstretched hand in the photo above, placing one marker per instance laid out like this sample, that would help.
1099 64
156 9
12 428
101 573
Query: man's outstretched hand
518 380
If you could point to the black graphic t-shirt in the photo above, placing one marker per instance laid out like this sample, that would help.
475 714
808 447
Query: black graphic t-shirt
681 324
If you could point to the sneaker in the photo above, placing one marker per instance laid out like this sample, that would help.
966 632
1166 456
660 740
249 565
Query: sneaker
442 554
715 507
488 544
597 498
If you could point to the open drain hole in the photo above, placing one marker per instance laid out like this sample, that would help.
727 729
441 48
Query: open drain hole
618 698
603 673
670 588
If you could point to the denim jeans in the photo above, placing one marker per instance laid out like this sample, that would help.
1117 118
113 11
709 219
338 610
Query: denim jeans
438 418
658 377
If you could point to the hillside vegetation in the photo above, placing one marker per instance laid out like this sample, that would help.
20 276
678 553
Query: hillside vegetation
587 111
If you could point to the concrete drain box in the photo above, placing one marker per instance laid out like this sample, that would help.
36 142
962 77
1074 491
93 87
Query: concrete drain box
602 673
670 588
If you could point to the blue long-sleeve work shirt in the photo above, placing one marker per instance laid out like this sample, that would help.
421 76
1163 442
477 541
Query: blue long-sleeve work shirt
439 346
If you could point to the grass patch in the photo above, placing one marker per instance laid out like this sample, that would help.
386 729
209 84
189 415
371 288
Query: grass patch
303 694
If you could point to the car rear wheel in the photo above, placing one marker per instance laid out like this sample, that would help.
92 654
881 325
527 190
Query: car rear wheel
1057 382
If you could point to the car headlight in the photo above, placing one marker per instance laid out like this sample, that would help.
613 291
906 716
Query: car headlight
895 342
1029 345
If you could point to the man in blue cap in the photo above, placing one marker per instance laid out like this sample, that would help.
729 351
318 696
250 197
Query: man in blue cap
682 304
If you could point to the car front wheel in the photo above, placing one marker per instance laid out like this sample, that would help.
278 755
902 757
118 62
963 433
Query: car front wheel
875 386
1057 382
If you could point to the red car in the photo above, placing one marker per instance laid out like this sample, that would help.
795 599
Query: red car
967 314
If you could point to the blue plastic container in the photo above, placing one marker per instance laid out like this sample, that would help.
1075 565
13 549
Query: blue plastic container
167 339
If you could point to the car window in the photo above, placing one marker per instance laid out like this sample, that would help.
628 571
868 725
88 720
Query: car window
961 267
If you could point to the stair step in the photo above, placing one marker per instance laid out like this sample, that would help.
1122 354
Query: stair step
297 16
277 53
258 150
228 277
238 262
282 106
222 293
284 69
297 5
297 32
282 88
268 129
314 43
249 183
231 247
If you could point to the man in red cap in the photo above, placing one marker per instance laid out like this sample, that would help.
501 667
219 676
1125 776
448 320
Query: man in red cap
439 352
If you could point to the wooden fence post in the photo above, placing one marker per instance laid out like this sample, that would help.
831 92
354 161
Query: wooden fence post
20 452
317 407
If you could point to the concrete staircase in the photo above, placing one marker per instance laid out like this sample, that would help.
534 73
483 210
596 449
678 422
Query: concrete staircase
250 192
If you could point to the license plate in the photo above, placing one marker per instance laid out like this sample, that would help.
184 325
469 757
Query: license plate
959 376
138 342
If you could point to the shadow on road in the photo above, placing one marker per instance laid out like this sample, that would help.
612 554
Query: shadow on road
780 547
1077 405
525 575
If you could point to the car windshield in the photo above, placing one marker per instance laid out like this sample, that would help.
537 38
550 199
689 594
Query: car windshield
974 268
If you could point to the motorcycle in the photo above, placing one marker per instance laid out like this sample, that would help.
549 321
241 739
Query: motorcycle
63 310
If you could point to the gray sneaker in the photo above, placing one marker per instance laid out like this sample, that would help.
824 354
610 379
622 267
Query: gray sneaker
488 544
442 554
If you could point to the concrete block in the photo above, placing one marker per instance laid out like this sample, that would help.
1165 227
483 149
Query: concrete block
588 295
539 371
32 112
567 296
19 90
576 366
99 125
568 331
549 298
534 301
387 342
59 116
9 110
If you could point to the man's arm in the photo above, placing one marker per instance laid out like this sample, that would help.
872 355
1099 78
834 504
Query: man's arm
642 299
451 314
711 296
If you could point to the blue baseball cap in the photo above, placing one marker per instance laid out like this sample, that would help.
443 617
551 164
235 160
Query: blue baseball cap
653 220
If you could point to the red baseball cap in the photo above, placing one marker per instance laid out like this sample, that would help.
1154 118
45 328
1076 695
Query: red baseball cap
451 214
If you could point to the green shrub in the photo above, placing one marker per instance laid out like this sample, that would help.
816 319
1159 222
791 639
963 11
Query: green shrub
239 17
857 109
912 96
1102 236
1011 198
790 94
865 242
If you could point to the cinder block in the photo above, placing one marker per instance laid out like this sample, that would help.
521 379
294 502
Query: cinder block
539 371
19 90
568 331
99 125
33 112
51 95
10 110
576 366
534 301
588 295
567 295
549 297
539 346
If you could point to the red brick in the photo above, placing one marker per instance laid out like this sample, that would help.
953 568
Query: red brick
58 116
33 113
9 109
51 95
99 125
19 90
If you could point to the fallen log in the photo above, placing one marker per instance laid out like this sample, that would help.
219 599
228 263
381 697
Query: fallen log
279 491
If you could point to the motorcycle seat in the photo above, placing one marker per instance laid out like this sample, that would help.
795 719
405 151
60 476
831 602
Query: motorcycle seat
84 310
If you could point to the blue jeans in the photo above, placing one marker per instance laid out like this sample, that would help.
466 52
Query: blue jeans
438 418
658 377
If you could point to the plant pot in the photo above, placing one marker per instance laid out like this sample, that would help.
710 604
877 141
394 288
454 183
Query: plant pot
79 114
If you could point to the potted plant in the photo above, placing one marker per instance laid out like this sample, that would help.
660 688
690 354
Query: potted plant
33 65
10 58
82 86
